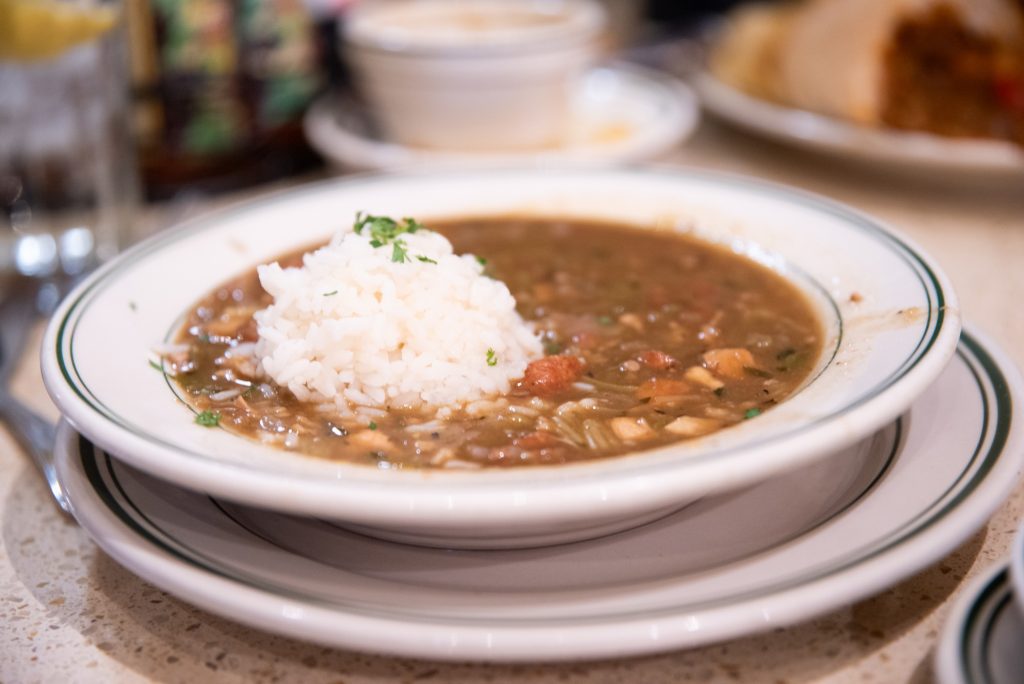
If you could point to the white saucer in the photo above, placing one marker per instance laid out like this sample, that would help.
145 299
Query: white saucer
982 639
779 552
621 113
818 133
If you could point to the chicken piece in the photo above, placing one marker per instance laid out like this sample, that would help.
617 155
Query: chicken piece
702 376
631 320
690 426
729 362
631 429
371 439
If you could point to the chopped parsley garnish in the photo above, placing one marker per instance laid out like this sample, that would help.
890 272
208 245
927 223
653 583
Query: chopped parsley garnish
604 320
751 413
208 419
756 372
383 229
480 260
331 293
386 231
492 358
156 365
398 252
373 426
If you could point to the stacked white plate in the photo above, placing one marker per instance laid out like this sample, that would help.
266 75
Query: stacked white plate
901 446
983 635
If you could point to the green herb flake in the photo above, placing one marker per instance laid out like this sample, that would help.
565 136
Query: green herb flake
480 260
492 358
331 293
756 372
398 252
426 260
208 419
384 230
157 366
373 425
359 223
789 359
552 348
412 225
604 320
751 413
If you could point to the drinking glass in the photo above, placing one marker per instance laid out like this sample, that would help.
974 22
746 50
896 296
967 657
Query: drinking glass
68 177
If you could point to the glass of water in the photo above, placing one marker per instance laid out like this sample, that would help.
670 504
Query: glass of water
68 178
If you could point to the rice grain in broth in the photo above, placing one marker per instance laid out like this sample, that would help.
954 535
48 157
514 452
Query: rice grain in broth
648 338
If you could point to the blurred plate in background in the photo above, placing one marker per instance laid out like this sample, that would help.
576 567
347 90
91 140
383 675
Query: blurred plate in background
623 113
818 133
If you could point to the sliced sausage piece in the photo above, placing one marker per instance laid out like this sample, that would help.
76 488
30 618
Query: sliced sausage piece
658 360
552 374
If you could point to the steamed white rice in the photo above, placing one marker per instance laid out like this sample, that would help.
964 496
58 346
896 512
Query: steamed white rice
353 327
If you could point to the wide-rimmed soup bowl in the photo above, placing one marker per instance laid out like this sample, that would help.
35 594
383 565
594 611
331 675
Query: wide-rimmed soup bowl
890 322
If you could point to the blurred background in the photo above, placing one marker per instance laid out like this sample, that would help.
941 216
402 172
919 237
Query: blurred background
110 107
219 87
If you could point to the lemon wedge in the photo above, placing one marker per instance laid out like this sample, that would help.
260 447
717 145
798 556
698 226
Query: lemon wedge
41 29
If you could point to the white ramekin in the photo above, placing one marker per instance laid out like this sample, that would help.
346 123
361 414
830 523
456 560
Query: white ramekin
502 81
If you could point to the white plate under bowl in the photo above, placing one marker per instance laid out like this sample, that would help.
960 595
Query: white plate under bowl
981 642
620 113
782 551
890 319
819 133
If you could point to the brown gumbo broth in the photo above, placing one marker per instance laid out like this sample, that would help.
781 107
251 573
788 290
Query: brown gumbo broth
650 338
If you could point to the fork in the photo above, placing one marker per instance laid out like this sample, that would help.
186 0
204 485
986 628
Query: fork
25 301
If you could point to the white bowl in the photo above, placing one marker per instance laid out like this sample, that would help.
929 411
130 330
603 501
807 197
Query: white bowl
500 81
883 347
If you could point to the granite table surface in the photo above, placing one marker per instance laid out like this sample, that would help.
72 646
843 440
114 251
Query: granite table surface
69 613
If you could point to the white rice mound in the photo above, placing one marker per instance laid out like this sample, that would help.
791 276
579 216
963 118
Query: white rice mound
354 328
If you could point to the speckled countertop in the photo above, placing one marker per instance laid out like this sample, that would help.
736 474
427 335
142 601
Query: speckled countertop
70 613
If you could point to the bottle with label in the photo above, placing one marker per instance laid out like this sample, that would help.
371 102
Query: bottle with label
220 90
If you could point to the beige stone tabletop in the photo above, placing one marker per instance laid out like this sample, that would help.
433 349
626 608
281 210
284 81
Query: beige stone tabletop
68 613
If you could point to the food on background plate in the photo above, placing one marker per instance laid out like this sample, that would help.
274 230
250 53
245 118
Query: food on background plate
949 67
496 341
